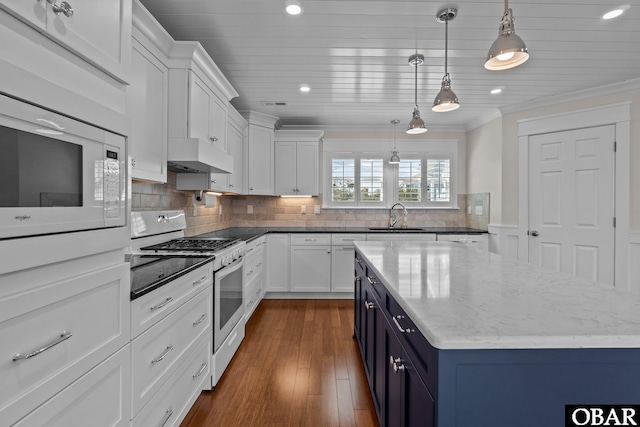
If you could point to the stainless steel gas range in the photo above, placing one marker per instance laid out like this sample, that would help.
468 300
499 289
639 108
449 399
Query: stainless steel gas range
158 236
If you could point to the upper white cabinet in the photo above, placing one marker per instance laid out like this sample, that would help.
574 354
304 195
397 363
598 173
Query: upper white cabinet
147 98
296 162
259 153
199 99
236 129
99 32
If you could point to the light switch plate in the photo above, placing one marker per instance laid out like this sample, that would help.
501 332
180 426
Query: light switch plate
303 210
479 210
316 209
249 209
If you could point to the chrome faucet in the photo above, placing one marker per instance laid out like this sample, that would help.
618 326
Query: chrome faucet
393 219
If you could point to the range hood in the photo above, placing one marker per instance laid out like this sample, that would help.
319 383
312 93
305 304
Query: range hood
195 155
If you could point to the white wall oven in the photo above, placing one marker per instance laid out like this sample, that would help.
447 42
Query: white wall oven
57 174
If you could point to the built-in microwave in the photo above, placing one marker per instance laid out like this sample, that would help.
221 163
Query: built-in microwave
57 174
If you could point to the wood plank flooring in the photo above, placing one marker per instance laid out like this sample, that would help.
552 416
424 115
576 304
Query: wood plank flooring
297 366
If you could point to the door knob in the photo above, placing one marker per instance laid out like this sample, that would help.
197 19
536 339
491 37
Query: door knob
535 233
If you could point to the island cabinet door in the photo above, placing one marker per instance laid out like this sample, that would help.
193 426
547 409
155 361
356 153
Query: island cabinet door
418 406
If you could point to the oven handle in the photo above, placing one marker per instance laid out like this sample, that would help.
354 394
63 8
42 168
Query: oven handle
226 270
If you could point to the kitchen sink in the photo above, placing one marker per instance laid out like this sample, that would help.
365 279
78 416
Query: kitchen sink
394 229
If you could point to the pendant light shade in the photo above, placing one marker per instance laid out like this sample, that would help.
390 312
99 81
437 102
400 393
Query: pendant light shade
446 99
508 50
395 158
416 125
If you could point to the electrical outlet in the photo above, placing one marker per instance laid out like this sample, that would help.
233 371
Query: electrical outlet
249 209
303 210
469 210
220 210
479 210
194 210
316 209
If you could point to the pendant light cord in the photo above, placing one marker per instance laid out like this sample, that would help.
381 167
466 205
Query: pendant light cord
446 44
416 81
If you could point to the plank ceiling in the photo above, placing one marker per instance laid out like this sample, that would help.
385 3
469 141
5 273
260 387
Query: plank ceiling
354 54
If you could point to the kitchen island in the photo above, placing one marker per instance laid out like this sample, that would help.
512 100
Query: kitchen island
452 336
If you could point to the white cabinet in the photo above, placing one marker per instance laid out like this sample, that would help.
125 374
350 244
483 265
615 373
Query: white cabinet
402 237
254 274
342 256
232 182
477 241
296 162
147 103
55 333
98 32
311 262
207 114
260 153
278 258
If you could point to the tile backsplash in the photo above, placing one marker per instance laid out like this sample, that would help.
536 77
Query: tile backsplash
268 211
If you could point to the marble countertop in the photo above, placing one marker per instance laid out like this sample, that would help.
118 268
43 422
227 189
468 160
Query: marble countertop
464 298
250 233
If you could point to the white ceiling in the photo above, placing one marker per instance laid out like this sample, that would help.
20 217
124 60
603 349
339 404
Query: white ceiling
354 55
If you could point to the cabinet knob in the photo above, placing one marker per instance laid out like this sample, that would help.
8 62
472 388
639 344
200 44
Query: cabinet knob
64 8
250 188
213 139
231 185
368 305
535 233
213 181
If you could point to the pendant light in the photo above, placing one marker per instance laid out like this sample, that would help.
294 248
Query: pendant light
508 50
446 100
395 158
416 125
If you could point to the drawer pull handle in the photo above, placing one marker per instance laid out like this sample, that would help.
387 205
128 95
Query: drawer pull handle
404 331
202 368
259 264
249 250
369 305
202 279
63 337
371 280
396 364
310 240
197 322
162 304
250 273
358 260
166 417
163 355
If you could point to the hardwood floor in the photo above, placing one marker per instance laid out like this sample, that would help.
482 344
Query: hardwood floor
297 366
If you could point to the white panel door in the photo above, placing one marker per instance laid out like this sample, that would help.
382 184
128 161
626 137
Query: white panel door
200 102
285 164
571 202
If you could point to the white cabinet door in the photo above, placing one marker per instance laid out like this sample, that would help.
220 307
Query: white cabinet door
32 12
277 263
235 139
98 31
307 168
285 168
260 160
311 268
200 101
147 103
342 273
218 124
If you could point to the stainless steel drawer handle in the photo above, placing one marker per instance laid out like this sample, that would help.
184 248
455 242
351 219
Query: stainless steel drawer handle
202 368
249 250
371 280
369 305
162 304
259 264
64 8
166 417
202 279
358 260
197 322
163 355
310 240
63 337
404 331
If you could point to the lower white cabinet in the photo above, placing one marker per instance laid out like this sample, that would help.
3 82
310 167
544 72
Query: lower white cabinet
254 275
311 262
174 399
278 260
54 334
100 398
342 255
401 237
477 241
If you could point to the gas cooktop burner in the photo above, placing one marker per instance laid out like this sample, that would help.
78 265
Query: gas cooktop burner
193 245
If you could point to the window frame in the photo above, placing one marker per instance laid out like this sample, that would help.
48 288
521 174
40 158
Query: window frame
415 149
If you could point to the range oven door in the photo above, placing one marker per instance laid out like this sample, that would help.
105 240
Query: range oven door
228 307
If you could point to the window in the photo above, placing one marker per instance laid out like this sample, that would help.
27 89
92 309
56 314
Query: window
357 179
425 177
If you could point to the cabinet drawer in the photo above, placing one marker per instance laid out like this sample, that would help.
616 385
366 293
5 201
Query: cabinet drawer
346 239
154 306
310 239
255 245
252 296
157 352
101 398
252 269
174 399
423 354
54 334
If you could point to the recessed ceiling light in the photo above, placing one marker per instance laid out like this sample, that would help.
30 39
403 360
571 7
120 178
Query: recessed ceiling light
613 14
293 7
305 88
496 91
